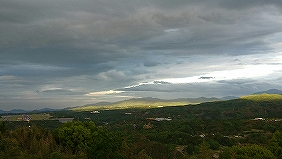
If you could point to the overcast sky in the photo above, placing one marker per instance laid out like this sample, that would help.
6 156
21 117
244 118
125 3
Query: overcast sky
63 53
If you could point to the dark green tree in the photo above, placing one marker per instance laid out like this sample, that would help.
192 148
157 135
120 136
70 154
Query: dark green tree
190 149
74 136
275 145
104 145
214 145
87 138
2 127
204 150
9 148
247 152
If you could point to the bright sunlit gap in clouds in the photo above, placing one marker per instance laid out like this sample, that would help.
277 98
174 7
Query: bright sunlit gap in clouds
103 93
260 70
252 71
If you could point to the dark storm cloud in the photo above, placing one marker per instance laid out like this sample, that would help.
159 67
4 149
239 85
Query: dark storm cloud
151 63
241 4
87 46
201 26
51 71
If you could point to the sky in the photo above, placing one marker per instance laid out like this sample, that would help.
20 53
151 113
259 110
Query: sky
67 53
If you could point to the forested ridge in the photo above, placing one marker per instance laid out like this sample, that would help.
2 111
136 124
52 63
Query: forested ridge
248 127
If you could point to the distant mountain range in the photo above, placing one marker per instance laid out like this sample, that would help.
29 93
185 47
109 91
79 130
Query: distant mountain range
148 101
270 91
13 111
99 103
21 111
229 98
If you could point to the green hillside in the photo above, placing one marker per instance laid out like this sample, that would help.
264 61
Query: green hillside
143 103
265 105
263 97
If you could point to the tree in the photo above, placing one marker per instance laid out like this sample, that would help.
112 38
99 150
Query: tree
9 148
204 151
74 136
247 152
104 145
56 155
2 127
214 145
275 145
88 138
190 149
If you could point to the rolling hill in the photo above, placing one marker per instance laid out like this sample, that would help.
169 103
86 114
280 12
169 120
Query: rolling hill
270 91
147 102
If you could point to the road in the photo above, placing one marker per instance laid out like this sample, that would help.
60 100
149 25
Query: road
26 117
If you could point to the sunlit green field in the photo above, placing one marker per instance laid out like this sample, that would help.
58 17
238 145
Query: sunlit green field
263 97
125 105
41 116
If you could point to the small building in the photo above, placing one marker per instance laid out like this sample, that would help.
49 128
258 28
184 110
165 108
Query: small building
159 119
202 135
95 112
26 117
258 119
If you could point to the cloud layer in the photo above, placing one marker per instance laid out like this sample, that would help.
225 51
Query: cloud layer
67 53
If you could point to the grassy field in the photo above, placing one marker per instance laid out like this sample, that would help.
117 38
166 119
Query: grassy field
263 97
125 105
41 116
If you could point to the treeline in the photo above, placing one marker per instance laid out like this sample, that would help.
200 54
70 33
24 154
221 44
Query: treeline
27 143
71 140
194 139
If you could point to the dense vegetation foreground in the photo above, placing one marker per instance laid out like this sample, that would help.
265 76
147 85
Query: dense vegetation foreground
249 127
